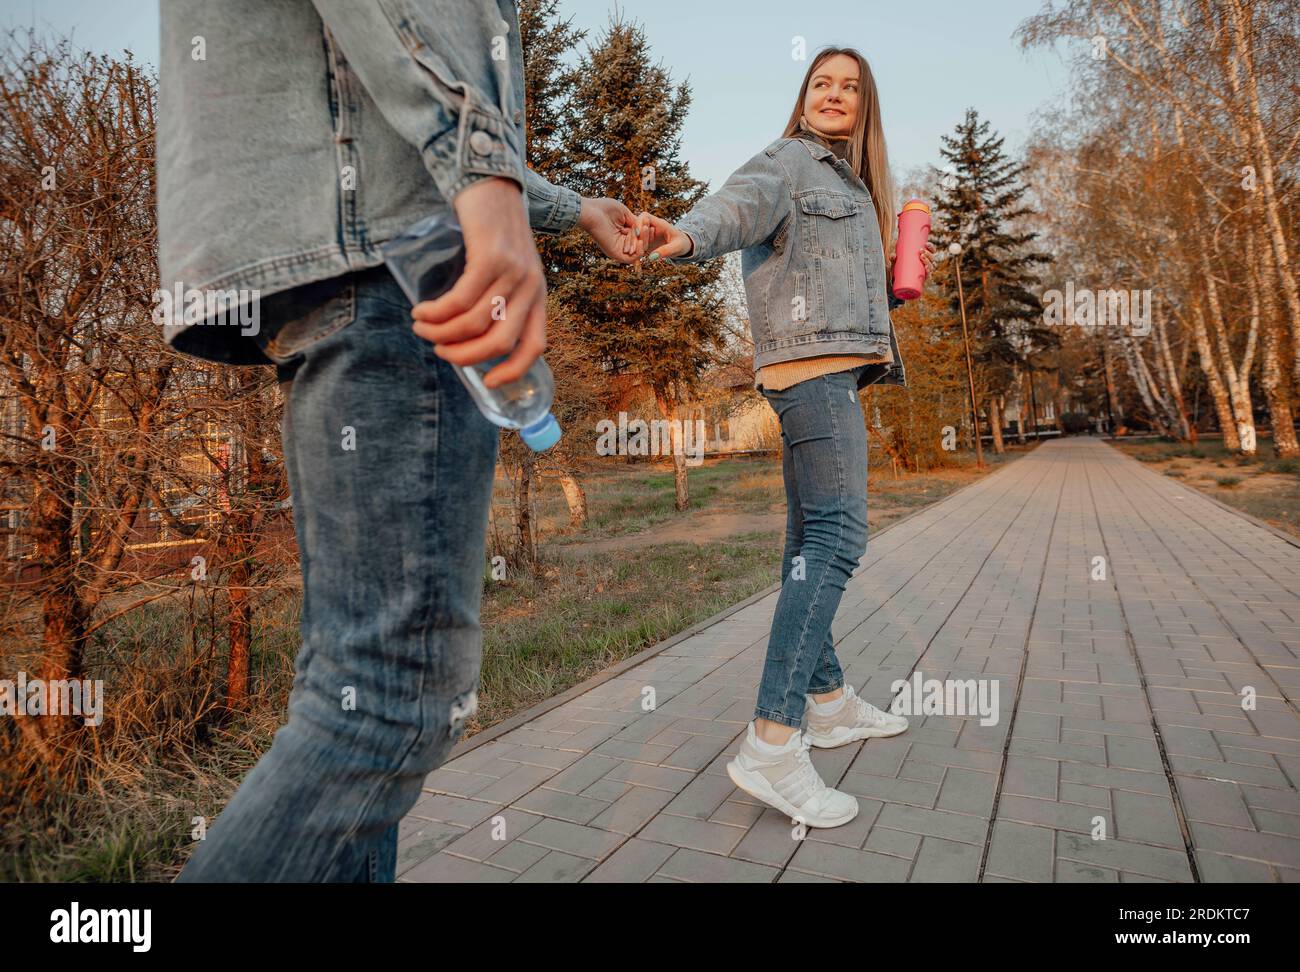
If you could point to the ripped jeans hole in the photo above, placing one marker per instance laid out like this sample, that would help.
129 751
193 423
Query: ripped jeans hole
462 708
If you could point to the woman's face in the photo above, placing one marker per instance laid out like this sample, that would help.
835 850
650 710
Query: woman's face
831 104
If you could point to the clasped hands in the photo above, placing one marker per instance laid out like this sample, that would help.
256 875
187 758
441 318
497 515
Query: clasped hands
497 309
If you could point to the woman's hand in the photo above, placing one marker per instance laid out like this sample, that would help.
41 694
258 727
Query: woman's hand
927 256
610 224
661 238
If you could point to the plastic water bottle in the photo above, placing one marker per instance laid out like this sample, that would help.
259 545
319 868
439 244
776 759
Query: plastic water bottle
426 259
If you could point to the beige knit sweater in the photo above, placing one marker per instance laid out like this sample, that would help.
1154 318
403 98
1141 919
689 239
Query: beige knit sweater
777 377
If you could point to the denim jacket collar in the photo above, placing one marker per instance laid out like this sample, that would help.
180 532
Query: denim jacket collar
820 152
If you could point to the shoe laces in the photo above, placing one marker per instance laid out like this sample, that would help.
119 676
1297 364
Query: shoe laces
807 772
865 709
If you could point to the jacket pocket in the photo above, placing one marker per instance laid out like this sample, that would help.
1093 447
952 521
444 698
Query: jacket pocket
829 223
794 306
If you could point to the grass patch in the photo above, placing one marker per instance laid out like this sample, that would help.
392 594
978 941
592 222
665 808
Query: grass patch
1264 485
545 634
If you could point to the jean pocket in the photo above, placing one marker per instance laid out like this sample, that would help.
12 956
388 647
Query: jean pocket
304 316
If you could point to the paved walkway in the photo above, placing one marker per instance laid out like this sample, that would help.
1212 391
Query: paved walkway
1120 707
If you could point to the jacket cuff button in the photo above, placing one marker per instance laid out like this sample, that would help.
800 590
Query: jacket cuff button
481 143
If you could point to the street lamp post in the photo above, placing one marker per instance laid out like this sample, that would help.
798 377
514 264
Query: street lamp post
955 250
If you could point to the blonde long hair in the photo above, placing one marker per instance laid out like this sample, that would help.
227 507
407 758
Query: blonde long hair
866 150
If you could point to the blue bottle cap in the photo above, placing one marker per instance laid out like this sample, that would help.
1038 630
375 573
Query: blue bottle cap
542 434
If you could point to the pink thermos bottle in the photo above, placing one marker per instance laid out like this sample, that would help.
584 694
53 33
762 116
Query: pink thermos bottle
913 232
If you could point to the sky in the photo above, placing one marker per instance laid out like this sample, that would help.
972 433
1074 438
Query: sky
931 62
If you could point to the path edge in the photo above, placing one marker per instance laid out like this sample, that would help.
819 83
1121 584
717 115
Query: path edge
1281 534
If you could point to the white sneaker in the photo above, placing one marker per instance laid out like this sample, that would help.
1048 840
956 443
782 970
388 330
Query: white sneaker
854 719
788 781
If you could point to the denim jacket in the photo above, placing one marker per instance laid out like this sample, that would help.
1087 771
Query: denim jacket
811 256
296 136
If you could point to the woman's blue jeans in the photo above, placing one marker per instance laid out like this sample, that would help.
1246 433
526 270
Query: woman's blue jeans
390 466
824 463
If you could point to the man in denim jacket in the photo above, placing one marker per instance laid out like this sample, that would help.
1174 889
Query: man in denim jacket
294 138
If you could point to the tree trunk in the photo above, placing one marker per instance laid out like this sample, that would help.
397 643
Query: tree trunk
1020 410
667 409
1112 395
1176 408
525 538
1218 393
240 613
1243 37
1276 389
1033 405
995 423
575 498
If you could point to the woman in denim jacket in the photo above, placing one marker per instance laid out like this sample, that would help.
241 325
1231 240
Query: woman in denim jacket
812 215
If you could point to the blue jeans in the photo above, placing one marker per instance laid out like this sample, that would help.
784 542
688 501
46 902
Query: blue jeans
824 463
390 467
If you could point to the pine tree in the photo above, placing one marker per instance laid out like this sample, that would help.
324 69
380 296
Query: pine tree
981 208
658 328
548 85
546 41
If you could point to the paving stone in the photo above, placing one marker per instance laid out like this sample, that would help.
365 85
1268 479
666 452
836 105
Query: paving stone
487 839
581 774
946 861
1118 854
630 812
692 832
692 865
418 840
636 861
931 823
518 856
557 868
847 864
574 839
1021 851
1269 848
443 868
562 806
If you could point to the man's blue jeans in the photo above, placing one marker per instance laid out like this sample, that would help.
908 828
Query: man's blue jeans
824 463
390 466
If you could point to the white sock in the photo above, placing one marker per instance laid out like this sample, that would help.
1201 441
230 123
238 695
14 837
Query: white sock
771 749
828 708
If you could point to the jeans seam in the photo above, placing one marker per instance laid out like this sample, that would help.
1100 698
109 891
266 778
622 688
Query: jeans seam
400 764
823 691
839 463
771 715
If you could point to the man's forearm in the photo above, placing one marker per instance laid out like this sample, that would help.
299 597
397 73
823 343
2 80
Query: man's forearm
551 208
428 67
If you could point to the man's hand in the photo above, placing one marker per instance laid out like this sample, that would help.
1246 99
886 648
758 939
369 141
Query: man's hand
498 306
610 224
662 238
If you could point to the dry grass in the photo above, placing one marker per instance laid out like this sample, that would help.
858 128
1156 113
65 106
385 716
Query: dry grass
1266 487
